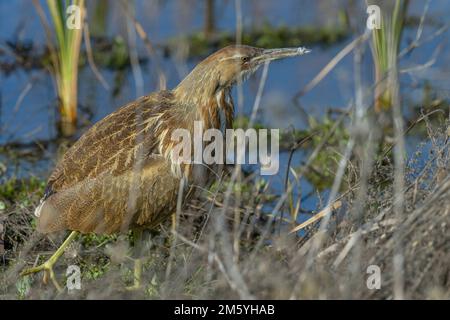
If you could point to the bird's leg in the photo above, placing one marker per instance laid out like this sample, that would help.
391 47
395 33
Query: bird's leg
47 266
137 274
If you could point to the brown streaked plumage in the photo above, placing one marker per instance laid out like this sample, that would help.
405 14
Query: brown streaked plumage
114 177
119 175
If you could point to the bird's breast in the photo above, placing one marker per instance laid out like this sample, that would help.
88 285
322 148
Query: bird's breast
214 112
222 105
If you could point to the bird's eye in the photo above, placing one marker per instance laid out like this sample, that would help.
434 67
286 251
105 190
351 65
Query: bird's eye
245 59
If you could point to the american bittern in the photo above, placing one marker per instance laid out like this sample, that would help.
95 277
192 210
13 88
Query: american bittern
120 174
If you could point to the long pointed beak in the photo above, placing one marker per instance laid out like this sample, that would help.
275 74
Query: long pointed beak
274 54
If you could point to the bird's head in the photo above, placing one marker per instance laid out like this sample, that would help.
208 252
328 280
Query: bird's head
234 63
224 68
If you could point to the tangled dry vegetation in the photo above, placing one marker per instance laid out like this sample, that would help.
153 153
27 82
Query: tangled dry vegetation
226 245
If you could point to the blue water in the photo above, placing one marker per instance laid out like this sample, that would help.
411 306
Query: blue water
33 117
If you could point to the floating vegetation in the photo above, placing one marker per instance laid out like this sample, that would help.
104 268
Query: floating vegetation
324 166
266 37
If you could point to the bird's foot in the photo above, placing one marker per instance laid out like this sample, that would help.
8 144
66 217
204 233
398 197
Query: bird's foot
47 267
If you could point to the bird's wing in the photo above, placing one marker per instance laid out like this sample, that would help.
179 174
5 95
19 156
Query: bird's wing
112 144
97 170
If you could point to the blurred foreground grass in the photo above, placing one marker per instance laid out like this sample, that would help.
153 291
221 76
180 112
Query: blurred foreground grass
203 261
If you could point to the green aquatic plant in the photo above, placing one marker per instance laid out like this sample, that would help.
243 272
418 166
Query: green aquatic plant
67 18
385 47
323 169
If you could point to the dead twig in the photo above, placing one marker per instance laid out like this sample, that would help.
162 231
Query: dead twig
334 206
